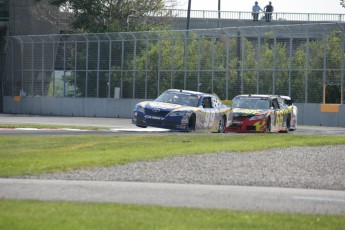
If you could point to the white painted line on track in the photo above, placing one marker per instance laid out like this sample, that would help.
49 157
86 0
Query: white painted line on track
141 130
320 198
42 129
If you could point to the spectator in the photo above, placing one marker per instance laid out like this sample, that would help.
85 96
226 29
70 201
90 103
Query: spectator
255 11
268 9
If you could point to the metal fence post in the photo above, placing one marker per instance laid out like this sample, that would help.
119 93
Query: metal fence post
213 47
146 64
324 67
258 61
135 63
75 66
86 65
274 63
64 68
227 68
199 60
306 70
242 60
122 63
172 72
98 63
342 63
33 67
42 71
109 63
159 66
290 63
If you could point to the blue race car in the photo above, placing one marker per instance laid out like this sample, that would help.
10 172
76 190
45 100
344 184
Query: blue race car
184 111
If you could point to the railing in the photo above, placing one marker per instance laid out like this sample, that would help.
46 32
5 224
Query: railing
242 15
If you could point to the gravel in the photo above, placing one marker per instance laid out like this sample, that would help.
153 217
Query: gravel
294 167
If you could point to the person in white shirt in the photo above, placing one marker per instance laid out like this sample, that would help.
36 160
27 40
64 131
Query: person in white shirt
255 11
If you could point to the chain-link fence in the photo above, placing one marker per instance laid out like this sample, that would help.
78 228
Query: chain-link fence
303 61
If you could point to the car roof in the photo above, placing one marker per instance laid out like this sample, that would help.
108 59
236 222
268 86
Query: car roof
190 92
266 96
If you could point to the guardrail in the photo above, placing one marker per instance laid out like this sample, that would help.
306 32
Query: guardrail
242 15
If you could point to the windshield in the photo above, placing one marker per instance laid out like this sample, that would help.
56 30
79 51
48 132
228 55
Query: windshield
251 103
179 98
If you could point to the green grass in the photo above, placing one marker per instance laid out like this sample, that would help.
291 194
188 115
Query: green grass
73 215
22 154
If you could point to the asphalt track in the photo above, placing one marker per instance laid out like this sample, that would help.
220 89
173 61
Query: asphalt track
117 126
181 195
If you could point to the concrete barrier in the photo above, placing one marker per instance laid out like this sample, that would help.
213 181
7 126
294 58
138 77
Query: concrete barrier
308 113
316 114
79 107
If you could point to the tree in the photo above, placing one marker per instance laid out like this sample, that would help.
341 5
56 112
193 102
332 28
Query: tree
114 15
342 3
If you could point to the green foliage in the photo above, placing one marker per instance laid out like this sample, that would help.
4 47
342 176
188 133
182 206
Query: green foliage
94 16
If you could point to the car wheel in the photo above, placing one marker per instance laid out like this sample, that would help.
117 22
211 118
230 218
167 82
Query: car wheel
268 125
292 128
222 124
142 126
191 124
288 122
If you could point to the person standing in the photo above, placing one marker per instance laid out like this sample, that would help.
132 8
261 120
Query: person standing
255 11
268 9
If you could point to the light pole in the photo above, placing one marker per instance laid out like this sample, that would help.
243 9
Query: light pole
218 14
188 13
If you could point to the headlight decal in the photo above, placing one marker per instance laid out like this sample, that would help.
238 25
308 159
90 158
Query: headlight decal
179 114
139 108
257 117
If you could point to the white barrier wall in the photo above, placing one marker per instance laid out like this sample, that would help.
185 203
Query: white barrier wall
308 114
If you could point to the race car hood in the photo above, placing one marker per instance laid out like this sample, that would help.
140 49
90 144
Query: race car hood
159 105
162 109
239 112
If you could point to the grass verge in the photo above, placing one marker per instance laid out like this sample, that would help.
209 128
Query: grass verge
70 215
40 154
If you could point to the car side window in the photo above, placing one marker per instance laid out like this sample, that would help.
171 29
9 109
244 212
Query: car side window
288 102
206 102
281 103
275 103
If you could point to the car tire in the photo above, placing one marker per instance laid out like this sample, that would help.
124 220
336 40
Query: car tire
288 122
141 126
268 125
191 123
222 125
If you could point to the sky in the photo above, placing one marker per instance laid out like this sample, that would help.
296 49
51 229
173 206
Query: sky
286 6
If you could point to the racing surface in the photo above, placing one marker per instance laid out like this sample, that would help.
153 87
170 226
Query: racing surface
307 180
117 126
